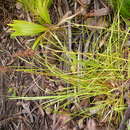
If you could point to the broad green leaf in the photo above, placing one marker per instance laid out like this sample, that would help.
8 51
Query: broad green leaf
24 28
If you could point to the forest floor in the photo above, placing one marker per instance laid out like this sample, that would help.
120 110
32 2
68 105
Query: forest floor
91 34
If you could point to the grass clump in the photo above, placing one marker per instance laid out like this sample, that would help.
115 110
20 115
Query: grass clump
99 79
94 81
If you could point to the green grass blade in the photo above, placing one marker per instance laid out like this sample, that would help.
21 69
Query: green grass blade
38 8
43 12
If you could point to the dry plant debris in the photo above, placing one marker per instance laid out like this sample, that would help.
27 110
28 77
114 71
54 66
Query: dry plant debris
80 29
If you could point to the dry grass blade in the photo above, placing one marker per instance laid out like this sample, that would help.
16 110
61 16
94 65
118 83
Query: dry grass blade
26 53
5 69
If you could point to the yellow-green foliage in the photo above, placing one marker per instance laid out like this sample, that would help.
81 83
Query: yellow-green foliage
24 28
38 8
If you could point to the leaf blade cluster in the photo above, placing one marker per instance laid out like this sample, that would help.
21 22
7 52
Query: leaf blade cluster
24 28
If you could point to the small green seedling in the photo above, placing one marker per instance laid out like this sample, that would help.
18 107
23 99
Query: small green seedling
39 8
